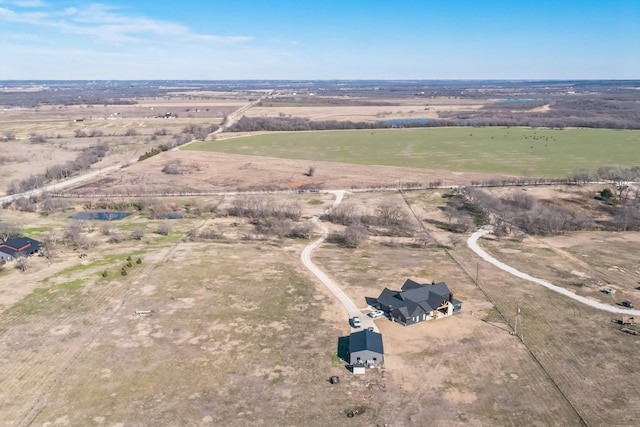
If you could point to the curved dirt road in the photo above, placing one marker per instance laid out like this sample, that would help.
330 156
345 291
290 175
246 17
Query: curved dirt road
473 245
349 305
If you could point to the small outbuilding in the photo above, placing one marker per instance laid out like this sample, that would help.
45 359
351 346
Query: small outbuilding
365 349
10 249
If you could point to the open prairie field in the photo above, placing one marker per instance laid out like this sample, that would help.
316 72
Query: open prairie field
233 342
213 171
34 140
235 331
505 151
389 108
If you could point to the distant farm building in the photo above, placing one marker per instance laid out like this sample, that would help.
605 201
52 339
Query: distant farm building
418 302
12 248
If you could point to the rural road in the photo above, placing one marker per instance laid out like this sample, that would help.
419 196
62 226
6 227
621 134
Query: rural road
473 245
231 118
67 183
349 305
81 178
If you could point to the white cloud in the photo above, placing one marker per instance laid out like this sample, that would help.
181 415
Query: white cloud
106 24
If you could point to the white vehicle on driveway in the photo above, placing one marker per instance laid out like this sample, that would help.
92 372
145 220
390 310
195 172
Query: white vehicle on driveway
376 313
356 322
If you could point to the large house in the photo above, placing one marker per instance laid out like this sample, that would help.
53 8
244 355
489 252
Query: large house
10 249
365 349
418 302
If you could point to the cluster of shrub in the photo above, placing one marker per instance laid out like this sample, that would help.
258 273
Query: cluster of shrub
97 133
86 158
388 219
285 123
518 210
189 133
271 218
154 151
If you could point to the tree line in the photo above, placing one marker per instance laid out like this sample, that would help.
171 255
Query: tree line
86 158
448 119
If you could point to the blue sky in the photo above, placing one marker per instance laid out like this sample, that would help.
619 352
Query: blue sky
345 39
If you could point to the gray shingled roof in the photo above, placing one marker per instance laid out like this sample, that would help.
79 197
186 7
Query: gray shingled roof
365 340
427 297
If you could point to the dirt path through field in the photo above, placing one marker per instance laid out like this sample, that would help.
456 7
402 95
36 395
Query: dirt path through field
473 245
348 304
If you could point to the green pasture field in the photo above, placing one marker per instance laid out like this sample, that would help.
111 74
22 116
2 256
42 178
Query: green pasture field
511 151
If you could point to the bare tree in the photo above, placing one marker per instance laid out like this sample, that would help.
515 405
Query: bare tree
521 200
582 176
304 230
465 222
53 204
22 261
48 249
174 167
214 233
9 230
72 234
355 234
164 228
423 239
620 176
344 214
138 233
106 228
154 207
26 204
35 138
389 213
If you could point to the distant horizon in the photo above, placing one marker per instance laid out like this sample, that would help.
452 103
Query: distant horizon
460 40
326 80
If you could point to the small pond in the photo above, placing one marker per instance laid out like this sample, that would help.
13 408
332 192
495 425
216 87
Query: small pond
402 122
100 216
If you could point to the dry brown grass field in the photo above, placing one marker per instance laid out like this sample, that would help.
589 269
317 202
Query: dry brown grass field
241 334
58 125
400 109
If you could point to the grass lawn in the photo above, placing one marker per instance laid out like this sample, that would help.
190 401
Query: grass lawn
512 151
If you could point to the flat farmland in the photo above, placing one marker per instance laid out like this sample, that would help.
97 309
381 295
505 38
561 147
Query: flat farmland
508 151
389 109
38 138
234 342
581 348
240 333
